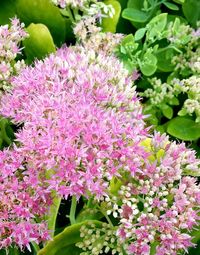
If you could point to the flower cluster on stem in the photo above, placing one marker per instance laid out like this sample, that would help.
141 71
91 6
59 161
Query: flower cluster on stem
155 209
83 134
10 38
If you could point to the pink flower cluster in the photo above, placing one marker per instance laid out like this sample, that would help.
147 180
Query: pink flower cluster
158 207
22 200
80 113
83 126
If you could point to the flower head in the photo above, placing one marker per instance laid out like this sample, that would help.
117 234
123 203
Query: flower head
80 113
155 209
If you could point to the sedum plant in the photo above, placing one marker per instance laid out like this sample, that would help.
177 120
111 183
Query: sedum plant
166 53
84 136
82 145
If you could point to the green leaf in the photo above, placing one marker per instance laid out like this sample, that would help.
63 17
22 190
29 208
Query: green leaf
148 69
128 65
71 249
159 21
139 5
135 15
151 111
191 10
153 248
115 185
136 4
39 43
69 236
196 235
156 26
171 6
182 112
184 128
164 57
1 143
45 12
35 248
7 11
148 65
161 129
174 101
191 173
179 1
167 111
129 39
140 34
194 250
110 24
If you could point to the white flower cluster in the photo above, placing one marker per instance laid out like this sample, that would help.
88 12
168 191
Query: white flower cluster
90 8
188 61
99 240
85 22
10 39
93 39
161 92
72 3
164 92
191 86
100 9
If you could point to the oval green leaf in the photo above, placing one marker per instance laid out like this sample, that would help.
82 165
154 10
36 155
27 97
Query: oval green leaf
39 43
156 26
167 111
179 1
43 11
136 4
7 11
110 24
69 236
171 6
164 57
191 10
140 34
148 65
135 15
184 128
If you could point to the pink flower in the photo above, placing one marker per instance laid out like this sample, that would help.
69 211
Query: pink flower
78 119
21 201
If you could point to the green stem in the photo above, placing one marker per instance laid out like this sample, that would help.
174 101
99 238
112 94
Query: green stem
106 216
169 47
52 215
36 247
90 203
73 211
